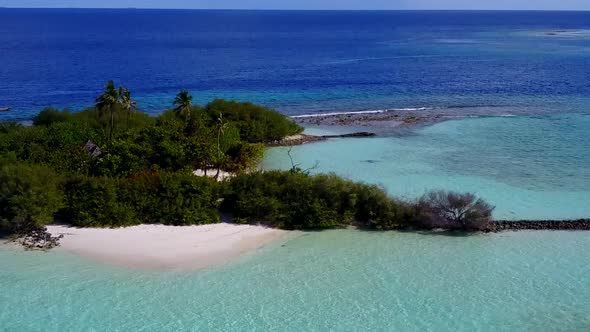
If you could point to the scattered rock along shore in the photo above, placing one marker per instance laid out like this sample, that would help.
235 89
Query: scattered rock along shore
399 119
304 138
571 225
382 120
497 226
352 119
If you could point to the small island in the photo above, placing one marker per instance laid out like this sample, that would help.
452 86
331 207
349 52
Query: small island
112 166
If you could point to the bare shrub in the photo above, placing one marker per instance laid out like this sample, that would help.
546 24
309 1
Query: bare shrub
451 210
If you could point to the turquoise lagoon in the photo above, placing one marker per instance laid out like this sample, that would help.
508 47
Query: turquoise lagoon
529 167
342 280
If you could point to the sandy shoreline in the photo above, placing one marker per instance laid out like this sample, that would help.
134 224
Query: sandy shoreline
163 247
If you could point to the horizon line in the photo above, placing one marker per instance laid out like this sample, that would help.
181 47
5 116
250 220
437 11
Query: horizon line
310 10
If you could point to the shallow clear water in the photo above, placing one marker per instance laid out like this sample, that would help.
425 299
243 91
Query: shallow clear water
528 167
334 280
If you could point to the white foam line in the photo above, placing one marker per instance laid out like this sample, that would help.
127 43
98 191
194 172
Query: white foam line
412 109
335 114
360 112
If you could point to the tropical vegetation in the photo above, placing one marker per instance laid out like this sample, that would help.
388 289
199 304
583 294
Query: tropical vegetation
297 200
112 165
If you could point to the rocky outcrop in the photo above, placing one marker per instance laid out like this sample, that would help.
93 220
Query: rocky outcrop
303 138
295 140
34 237
508 225
352 119
497 226
359 134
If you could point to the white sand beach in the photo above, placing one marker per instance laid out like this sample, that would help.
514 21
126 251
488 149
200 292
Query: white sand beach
166 247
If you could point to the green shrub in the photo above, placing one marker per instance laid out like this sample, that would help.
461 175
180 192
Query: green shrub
7 127
172 198
50 116
68 134
163 198
166 144
95 202
23 142
46 144
72 161
244 156
121 158
375 209
296 200
257 124
29 195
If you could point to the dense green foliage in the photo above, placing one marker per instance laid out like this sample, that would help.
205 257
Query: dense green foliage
256 123
166 198
173 198
116 166
139 143
49 116
29 195
95 202
296 200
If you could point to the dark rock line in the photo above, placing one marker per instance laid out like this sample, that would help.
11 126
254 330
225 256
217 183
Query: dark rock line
509 225
303 138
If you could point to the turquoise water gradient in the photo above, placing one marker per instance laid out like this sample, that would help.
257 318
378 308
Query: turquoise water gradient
342 280
535 165
528 167
347 280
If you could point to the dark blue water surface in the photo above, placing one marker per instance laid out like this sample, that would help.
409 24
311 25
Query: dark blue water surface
298 62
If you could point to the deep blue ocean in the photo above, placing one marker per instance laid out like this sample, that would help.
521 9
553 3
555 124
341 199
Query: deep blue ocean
298 61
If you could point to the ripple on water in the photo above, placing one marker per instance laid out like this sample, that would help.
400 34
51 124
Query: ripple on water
338 280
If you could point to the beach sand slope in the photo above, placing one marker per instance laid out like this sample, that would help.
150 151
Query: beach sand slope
166 247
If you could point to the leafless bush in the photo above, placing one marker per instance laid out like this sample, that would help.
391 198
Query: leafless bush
451 210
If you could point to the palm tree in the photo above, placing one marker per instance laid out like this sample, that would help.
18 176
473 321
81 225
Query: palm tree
220 131
183 103
107 102
128 105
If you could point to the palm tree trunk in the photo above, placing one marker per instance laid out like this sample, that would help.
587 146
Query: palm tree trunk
218 154
112 124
